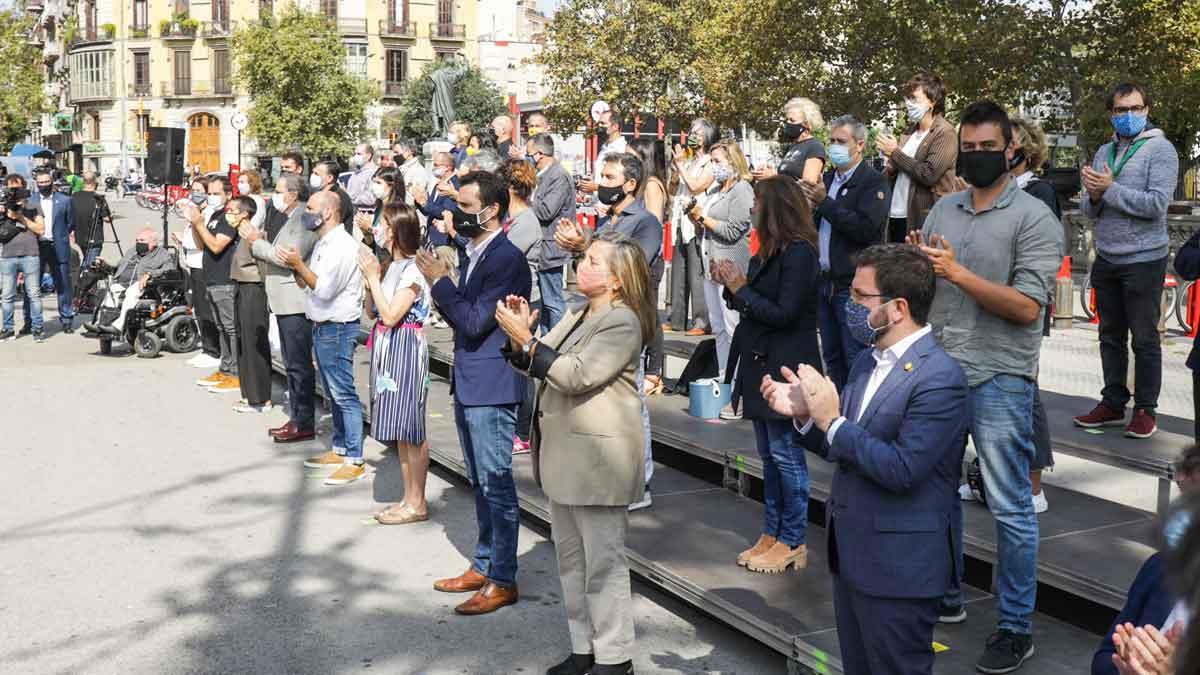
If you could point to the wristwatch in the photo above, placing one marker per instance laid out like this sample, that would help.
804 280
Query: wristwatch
528 346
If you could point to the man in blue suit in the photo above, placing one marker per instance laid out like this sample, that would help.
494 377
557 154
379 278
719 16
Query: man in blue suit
897 437
54 246
486 390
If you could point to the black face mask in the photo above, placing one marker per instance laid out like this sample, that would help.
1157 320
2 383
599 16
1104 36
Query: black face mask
46 190
792 131
982 168
468 224
142 248
1018 157
609 196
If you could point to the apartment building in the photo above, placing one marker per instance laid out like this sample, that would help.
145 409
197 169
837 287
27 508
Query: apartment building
511 33
141 63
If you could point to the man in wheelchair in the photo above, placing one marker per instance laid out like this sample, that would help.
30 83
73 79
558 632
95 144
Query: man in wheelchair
147 261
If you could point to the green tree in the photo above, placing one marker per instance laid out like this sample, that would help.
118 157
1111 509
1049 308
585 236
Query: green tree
22 99
300 93
476 100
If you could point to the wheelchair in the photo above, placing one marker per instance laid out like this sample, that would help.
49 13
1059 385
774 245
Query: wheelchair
161 318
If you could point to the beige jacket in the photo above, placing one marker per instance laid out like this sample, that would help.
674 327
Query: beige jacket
587 437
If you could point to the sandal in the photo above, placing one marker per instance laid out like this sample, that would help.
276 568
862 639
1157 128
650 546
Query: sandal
652 385
399 514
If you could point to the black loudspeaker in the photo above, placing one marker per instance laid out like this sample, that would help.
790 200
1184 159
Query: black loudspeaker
164 157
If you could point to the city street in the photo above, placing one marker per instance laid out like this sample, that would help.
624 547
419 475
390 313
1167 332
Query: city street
149 529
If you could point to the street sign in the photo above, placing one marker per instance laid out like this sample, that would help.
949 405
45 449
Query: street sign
239 121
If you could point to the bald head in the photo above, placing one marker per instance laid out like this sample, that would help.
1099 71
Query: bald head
326 206
147 236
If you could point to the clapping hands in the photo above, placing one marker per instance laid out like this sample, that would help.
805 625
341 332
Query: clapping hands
803 395
516 319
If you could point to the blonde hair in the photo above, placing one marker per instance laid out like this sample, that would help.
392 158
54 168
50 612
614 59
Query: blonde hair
1033 141
810 111
737 159
627 262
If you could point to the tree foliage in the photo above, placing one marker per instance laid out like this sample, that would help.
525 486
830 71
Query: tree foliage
301 96
22 98
476 99
738 61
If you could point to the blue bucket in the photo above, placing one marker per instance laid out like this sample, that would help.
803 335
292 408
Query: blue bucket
707 397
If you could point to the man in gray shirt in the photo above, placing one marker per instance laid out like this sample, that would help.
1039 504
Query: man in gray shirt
995 250
553 200
19 255
1127 190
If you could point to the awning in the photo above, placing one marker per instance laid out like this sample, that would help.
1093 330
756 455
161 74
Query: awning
31 150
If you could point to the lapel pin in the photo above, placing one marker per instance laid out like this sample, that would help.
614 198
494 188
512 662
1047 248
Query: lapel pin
908 367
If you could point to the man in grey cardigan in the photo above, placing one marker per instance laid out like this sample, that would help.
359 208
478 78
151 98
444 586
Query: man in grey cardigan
1127 190
284 228
553 199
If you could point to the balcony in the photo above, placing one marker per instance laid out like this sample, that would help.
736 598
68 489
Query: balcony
140 90
394 89
35 6
178 30
188 88
101 90
456 32
139 32
93 37
216 29
396 29
351 26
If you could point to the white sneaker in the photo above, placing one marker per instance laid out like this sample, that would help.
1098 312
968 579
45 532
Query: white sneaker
203 360
246 407
643 503
965 493
1040 505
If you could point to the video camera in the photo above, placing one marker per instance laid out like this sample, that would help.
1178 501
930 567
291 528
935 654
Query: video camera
12 198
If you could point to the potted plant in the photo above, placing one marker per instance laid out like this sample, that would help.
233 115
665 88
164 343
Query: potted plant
189 26
109 29
164 27
140 32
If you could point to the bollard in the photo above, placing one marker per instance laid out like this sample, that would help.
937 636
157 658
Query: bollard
1064 297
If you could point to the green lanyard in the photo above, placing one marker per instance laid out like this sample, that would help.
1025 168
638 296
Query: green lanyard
1117 166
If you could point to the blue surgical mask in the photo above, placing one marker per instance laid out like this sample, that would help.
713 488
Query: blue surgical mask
1129 124
839 155
722 173
1176 526
858 320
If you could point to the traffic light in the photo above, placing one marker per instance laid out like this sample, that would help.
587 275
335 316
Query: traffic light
391 139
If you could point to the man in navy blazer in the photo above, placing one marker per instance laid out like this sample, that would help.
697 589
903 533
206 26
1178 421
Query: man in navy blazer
897 437
486 390
54 247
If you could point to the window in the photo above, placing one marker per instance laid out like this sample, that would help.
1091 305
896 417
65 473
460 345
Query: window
329 8
446 56
398 13
141 73
266 9
445 15
356 59
220 13
91 75
94 123
141 14
397 71
183 72
220 66
181 7
90 19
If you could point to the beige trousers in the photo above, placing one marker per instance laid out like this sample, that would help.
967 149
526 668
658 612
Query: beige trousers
590 544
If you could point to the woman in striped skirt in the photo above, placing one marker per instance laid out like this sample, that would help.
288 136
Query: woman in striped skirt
400 356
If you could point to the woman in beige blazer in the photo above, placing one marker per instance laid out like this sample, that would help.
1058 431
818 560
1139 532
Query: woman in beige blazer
587 441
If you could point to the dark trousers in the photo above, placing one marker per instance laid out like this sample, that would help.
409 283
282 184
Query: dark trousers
254 351
296 343
687 283
654 351
1196 402
883 635
197 291
1129 301
60 271
897 230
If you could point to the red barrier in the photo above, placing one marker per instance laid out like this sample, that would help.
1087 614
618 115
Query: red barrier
1193 309
1064 270
668 245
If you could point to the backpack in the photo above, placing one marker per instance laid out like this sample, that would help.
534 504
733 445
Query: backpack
702 364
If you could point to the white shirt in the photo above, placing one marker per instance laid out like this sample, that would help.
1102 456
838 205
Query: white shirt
825 233
48 216
885 361
474 252
414 174
1024 179
610 147
903 182
338 296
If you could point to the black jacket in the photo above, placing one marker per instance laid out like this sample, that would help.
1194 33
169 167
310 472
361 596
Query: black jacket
1187 266
857 216
778 325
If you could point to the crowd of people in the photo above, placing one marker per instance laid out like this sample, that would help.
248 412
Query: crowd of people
874 313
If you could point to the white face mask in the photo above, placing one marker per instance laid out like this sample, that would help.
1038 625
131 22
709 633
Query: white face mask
439 172
243 187
216 201
278 202
915 110
379 191
315 182
452 137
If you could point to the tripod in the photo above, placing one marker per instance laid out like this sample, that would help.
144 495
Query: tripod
100 213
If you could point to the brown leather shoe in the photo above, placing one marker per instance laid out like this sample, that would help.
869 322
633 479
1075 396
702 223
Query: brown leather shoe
280 429
466 582
489 599
696 331
764 543
778 558
293 434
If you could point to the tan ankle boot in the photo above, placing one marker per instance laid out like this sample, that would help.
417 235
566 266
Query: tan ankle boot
778 558
765 542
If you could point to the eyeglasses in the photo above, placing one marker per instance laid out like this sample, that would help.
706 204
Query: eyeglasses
858 297
1135 109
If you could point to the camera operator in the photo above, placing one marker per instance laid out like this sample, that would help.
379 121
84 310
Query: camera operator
19 232
92 214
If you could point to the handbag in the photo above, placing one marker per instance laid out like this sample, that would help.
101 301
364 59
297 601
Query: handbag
9 230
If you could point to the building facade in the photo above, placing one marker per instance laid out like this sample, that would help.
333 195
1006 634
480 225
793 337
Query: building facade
134 64
511 33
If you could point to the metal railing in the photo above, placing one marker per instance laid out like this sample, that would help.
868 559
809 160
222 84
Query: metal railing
216 29
181 87
352 26
140 89
139 32
389 28
91 91
448 31
176 30
86 37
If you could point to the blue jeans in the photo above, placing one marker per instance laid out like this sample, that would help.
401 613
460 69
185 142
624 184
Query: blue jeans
30 267
1002 430
839 349
785 482
334 345
550 283
486 435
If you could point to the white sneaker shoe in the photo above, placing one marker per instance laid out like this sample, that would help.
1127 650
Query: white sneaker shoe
645 502
203 360
1040 505
965 493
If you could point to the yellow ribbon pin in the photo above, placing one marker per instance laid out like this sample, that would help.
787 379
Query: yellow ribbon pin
908 367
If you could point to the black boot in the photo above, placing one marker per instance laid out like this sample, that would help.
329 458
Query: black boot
576 664
614 669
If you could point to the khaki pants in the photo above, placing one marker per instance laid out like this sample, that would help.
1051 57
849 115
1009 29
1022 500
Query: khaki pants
590 544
